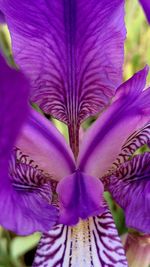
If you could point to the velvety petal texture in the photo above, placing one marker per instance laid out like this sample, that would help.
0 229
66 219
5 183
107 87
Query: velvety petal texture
103 141
43 143
146 7
71 50
130 187
94 242
80 196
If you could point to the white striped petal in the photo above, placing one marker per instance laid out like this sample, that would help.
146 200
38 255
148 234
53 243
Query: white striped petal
92 243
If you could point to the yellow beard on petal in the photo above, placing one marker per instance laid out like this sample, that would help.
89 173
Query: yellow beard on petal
81 243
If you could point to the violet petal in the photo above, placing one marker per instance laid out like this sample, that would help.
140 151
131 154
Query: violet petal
103 141
136 140
80 196
25 207
43 143
2 18
146 7
14 90
72 51
130 187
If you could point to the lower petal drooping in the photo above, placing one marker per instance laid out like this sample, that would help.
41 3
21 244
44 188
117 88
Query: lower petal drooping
80 196
92 243
130 187
25 204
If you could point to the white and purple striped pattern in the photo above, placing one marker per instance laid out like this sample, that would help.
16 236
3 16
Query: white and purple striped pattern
26 176
130 188
135 141
92 243
26 206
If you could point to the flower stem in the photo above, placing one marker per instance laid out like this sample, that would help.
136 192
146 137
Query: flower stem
73 130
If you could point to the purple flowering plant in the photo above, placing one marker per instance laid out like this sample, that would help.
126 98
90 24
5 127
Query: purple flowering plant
46 184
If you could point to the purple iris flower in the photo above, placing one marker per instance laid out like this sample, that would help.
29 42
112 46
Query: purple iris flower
72 53
146 7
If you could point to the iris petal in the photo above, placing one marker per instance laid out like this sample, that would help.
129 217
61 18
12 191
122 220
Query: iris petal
13 111
14 90
44 144
130 187
2 18
71 50
80 196
25 206
94 242
136 140
146 7
129 112
13 107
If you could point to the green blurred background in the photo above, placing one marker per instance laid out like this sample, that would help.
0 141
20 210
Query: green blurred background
19 251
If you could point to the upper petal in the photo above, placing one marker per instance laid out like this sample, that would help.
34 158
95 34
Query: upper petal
129 111
43 143
71 50
146 6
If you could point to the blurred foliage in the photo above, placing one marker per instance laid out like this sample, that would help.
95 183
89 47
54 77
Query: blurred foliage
14 248
137 45
19 251
5 44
